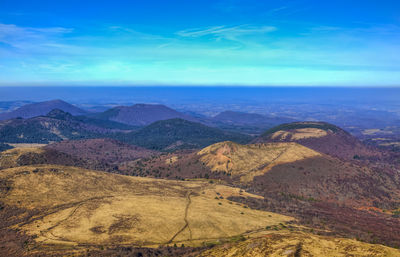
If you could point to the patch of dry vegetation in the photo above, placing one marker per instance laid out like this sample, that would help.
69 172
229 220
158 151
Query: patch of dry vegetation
83 207
286 243
10 157
248 161
298 134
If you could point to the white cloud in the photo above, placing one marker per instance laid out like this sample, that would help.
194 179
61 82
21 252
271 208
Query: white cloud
16 36
226 32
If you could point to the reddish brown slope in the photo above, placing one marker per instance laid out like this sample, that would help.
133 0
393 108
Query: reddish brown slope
102 149
321 137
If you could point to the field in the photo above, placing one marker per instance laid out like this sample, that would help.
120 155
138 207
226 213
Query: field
77 208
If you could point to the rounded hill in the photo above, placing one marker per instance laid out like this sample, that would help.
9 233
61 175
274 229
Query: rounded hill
319 136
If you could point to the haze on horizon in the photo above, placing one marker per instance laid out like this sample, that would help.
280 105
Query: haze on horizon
223 42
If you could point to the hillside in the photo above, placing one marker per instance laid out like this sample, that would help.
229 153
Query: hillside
285 243
40 109
247 161
320 136
175 134
55 126
97 154
71 209
4 147
349 198
101 150
24 156
284 167
141 114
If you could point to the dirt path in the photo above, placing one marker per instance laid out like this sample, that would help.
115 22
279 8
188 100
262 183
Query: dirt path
188 202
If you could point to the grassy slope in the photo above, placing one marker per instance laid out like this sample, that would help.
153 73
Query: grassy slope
285 243
81 206
248 161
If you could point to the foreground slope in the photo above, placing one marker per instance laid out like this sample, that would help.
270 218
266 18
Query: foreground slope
350 198
69 207
285 243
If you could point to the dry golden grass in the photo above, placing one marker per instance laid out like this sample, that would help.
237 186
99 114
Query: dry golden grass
26 145
9 158
248 161
298 134
286 243
80 206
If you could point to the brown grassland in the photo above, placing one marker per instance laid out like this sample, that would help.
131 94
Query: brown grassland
82 207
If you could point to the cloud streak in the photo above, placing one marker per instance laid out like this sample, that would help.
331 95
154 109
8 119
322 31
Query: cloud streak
226 32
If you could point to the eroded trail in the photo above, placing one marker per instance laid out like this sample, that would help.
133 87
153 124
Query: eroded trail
188 202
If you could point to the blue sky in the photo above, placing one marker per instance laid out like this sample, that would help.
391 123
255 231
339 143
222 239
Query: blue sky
188 42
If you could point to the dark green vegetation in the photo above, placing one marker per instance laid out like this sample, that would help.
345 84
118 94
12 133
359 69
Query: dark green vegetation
176 134
4 147
56 126
166 135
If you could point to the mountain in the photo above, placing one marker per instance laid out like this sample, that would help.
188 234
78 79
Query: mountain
40 109
322 137
173 134
272 168
325 191
57 125
141 114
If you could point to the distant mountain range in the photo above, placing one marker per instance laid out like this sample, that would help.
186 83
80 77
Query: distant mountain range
163 135
40 109
141 114
57 125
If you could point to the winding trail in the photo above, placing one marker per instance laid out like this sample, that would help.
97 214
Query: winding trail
188 202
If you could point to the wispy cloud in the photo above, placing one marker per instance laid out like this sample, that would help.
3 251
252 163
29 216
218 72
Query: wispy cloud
226 32
16 36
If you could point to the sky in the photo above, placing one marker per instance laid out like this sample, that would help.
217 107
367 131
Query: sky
200 42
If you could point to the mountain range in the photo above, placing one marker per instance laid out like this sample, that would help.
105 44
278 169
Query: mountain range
141 114
40 109
101 187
